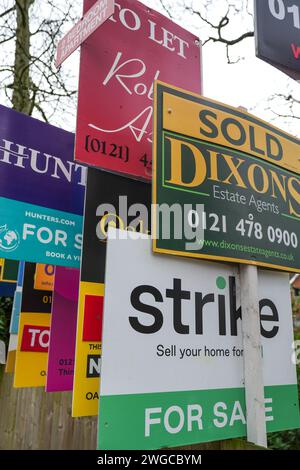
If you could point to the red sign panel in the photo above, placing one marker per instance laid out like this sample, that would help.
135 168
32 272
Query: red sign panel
93 312
118 66
35 338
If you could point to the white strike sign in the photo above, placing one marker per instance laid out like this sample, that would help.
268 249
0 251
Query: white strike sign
172 354
93 18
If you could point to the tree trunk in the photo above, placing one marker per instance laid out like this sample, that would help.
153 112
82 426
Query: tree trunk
21 85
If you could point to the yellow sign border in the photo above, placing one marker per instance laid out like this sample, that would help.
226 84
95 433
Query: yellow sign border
158 83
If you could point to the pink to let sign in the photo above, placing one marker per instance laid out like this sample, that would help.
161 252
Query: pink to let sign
92 19
63 330
118 66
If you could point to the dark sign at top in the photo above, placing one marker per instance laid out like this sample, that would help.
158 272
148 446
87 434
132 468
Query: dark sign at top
277 33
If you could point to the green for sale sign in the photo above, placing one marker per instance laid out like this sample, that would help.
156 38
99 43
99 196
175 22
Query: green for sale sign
226 185
172 370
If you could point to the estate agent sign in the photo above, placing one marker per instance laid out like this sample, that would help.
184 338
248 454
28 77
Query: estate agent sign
172 356
277 34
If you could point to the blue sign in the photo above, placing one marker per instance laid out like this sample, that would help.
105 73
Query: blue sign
34 232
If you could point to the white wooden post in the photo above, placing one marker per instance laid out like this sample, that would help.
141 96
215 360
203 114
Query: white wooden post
253 360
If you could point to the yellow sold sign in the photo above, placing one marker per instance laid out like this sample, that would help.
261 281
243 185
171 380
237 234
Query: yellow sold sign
212 121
